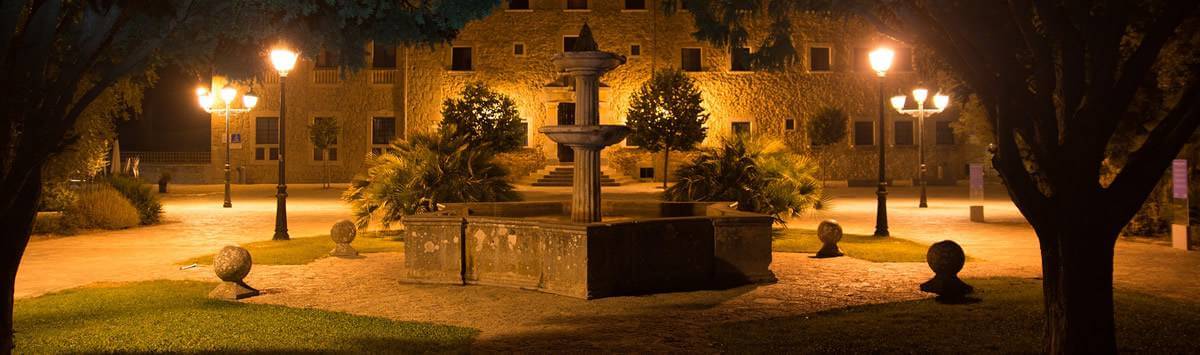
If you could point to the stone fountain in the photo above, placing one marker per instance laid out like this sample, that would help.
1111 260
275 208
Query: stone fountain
641 246
587 137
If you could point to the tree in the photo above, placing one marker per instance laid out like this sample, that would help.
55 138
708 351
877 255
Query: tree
58 57
666 114
419 173
1057 80
484 117
828 126
323 133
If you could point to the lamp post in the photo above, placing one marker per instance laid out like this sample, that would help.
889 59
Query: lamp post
939 102
228 94
284 60
881 61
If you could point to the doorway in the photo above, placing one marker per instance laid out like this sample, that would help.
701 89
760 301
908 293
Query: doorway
566 116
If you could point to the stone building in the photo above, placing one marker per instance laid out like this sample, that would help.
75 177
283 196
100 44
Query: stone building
401 92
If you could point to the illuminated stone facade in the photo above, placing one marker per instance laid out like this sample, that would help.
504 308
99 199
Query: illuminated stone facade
511 50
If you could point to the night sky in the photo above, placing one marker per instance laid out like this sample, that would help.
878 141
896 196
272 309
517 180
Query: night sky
171 119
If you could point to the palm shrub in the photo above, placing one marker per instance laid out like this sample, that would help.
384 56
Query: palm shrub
148 207
419 173
760 174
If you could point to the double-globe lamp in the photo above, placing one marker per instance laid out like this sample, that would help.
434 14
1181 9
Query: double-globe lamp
227 95
284 60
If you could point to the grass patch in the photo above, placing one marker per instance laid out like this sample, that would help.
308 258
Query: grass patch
858 246
300 251
1007 320
175 316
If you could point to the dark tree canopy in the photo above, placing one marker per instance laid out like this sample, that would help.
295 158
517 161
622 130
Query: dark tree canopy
484 118
666 113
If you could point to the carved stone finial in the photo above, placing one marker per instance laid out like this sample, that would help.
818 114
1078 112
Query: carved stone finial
585 43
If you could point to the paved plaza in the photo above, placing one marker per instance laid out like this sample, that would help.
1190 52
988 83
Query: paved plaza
196 225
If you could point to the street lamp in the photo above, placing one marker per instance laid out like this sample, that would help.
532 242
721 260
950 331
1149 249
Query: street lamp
939 102
227 95
284 60
881 61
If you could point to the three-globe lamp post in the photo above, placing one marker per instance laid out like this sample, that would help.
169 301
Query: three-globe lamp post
939 102
283 60
881 61
227 95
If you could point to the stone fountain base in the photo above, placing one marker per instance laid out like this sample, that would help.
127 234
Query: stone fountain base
643 247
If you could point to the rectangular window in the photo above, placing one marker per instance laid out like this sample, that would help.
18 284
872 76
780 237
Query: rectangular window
519 49
943 132
461 59
646 173
266 130
789 124
689 59
273 153
327 59
569 43
577 4
864 133
318 155
904 60
740 128
819 59
635 4
383 56
524 133
903 134
260 153
635 50
331 153
739 59
383 130
518 4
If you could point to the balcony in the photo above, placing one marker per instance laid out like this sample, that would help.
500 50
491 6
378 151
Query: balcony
383 76
326 76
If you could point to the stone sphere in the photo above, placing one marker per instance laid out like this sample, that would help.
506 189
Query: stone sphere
343 232
232 263
829 231
945 257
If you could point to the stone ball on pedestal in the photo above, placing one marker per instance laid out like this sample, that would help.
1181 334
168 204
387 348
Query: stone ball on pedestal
232 263
343 233
946 259
830 233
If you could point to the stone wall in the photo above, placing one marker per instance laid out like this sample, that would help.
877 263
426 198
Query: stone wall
423 80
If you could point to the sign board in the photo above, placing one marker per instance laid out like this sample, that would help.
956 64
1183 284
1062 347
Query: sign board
1179 178
976 182
235 141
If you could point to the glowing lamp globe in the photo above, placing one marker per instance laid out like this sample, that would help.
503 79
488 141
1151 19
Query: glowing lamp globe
283 60
881 60
228 94
249 100
941 101
920 94
206 102
898 102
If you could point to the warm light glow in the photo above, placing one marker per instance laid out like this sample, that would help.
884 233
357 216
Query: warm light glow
249 100
898 102
200 91
941 101
920 94
283 60
206 102
228 94
881 60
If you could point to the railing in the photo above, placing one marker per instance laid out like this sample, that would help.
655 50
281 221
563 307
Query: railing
270 77
325 76
168 158
383 76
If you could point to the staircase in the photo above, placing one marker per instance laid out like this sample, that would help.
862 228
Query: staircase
564 175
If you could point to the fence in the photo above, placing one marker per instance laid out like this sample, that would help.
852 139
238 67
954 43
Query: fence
385 76
326 76
169 158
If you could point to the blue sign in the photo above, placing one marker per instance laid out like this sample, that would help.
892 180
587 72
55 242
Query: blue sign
235 138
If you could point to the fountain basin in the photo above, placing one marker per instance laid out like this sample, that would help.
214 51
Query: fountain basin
588 61
642 247
595 136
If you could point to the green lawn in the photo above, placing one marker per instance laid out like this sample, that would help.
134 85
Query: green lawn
1007 320
300 251
866 247
175 316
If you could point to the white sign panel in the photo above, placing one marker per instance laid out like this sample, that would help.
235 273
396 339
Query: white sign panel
1179 178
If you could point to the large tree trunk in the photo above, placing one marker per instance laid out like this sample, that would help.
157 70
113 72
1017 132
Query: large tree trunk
16 222
1077 265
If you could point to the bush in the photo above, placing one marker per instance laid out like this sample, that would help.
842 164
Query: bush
102 207
149 209
827 127
52 223
521 163
418 173
484 117
760 174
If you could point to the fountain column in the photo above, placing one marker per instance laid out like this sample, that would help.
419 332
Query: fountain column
587 136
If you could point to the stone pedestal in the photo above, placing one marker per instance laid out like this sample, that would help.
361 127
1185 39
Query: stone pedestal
231 265
830 233
977 214
946 258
